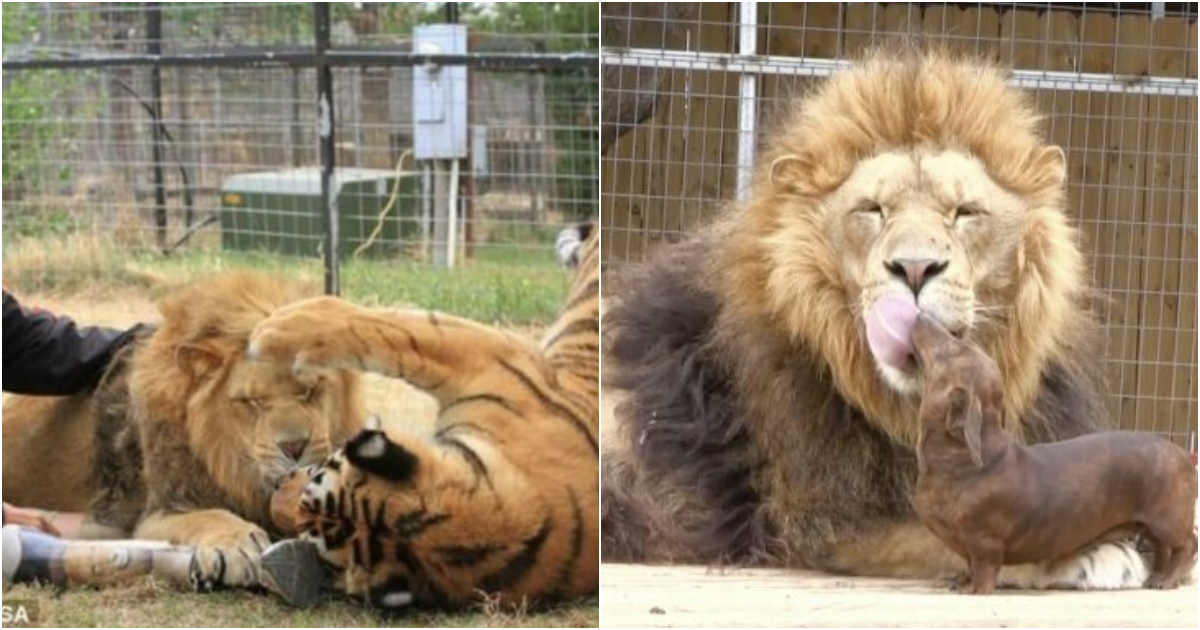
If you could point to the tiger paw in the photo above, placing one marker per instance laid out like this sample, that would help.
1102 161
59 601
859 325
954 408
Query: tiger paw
308 334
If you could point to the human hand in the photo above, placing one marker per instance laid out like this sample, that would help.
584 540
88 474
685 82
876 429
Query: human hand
28 517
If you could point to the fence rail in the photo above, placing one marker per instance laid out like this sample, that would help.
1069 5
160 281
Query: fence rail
306 58
817 67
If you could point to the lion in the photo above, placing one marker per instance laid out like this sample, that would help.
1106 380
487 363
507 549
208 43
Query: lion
769 410
185 438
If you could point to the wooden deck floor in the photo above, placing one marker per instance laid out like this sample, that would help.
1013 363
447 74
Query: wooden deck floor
685 596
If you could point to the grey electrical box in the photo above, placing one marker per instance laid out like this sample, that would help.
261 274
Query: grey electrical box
440 95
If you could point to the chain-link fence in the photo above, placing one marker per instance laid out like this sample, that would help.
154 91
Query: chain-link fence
690 89
243 128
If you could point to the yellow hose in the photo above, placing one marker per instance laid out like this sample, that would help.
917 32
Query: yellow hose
386 209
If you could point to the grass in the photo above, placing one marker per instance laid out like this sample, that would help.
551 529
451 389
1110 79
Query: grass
501 285
150 604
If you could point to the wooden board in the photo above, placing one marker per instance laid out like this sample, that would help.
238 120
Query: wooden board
688 596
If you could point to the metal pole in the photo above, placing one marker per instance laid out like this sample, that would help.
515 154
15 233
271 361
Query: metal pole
427 186
327 153
154 48
442 216
747 98
296 132
452 215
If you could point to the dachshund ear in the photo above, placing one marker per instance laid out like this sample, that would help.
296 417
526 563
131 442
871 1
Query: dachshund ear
956 408
965 414
973 429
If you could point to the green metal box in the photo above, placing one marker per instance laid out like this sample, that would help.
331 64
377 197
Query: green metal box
281 212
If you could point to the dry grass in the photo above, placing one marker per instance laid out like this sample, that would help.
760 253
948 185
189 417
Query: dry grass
71 264
520 286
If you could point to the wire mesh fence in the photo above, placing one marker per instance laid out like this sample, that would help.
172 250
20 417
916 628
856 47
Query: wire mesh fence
199 127
689 90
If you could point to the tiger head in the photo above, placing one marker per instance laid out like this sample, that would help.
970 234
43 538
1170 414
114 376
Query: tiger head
405 527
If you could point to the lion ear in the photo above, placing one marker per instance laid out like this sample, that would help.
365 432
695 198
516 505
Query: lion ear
371 451
1050 162
197 360
795 173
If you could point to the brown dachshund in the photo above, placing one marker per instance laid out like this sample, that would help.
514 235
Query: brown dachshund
994 501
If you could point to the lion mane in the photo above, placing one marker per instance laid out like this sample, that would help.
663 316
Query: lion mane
755 425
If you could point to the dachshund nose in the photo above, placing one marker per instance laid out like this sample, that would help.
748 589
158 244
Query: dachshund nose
293 448
916 272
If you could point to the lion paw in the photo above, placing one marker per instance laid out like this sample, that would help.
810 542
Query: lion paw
214 567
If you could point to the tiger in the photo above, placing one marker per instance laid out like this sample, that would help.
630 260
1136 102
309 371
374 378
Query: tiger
502 498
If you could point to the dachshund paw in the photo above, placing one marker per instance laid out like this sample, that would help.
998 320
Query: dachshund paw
1159 581
960 583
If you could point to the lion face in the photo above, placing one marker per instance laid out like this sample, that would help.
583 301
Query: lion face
266 419
911 182
287 414
927 226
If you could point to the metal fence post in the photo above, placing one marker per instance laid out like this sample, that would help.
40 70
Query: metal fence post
325 124
154 49
747 98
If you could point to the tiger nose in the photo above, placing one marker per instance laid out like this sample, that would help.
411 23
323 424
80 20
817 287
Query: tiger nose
916 272
293 448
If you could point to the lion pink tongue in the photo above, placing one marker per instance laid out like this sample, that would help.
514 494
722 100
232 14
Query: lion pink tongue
889 329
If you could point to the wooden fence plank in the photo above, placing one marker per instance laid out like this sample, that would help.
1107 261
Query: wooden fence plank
1159 270
861 27
1169 52
1019 32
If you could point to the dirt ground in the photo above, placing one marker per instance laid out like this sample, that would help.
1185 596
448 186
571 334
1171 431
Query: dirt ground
688 596
101 308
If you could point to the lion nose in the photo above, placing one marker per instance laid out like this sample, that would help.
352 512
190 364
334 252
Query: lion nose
293 448
916 272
